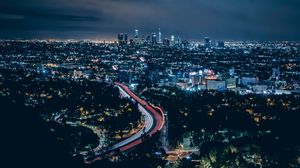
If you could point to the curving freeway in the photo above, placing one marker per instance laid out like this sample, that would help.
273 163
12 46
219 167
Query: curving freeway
154 121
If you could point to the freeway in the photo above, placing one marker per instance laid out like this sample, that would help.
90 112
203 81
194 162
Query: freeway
154 121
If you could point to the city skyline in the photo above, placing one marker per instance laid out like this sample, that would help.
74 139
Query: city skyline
150 84
230 20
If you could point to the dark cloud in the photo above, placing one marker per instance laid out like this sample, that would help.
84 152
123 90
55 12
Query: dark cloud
192 19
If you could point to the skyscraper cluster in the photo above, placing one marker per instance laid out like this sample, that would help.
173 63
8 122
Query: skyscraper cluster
155 38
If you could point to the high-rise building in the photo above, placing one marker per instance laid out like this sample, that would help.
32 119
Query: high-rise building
172 42
221 44
159 37
178 41
137 39
207 42
153 39
122 38
136 33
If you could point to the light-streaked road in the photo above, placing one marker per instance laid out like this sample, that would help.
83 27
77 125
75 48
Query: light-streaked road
154 121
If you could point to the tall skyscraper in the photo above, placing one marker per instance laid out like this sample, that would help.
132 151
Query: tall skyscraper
136 39
136 33
172 42
122 38
159 37
153 39
178 41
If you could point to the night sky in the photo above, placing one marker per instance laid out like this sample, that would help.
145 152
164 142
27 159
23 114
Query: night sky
189 19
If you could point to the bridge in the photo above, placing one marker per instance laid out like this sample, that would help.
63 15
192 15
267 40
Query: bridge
154 121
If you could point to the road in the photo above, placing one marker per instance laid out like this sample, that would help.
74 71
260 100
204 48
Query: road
154 122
